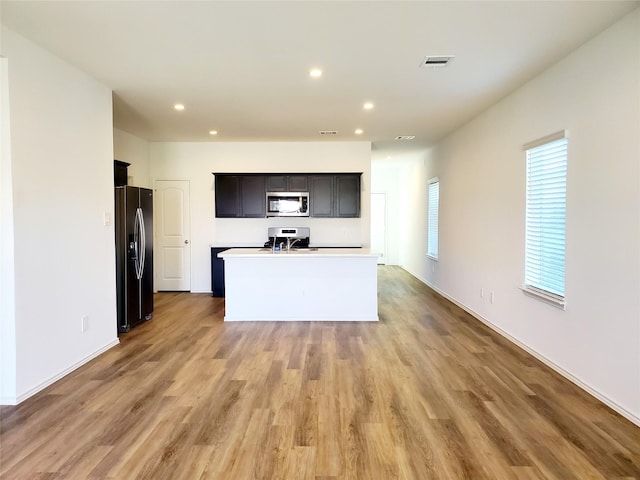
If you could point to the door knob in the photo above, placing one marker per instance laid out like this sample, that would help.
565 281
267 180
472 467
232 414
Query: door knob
186 242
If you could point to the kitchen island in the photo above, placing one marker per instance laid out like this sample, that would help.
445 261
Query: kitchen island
325 284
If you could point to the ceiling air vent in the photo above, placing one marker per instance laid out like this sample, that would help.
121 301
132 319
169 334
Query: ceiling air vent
405 137
436 61
328 132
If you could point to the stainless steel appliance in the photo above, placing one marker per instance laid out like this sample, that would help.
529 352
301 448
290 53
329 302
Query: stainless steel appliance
288 237
287 204
134 255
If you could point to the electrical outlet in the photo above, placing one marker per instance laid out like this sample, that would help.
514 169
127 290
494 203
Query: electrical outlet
491 297
107 219
481 292
85 323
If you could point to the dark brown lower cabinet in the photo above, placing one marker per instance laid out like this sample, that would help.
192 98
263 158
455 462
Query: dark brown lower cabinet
217 272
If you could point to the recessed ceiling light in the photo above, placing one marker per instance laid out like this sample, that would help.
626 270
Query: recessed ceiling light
359 131
213 132
368 106
315 72
178 106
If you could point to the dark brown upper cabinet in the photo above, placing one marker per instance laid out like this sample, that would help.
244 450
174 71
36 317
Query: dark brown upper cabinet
287 183
347 196
321 195
120 175
240 196
332 195
335 196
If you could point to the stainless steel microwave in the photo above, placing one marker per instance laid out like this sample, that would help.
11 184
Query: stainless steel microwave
287 204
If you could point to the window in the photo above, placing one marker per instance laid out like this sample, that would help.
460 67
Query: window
545 218
432 222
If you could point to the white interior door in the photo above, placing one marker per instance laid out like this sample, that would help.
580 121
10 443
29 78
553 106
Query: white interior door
173 245
378 225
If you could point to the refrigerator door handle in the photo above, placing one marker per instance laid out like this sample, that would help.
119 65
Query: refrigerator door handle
134 244
143 243
138 239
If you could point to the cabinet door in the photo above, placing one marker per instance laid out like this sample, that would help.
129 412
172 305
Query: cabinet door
347 196
228 196
321 193
217 272
277 183
298 183
253 196
120 175
287 183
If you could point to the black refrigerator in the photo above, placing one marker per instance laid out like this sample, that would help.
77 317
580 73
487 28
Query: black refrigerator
134 255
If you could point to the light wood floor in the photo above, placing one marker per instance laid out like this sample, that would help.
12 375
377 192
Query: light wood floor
426 393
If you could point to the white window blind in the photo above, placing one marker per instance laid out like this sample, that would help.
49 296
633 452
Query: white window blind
434 203
546 217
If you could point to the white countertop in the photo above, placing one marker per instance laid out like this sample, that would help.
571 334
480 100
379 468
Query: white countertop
260 245
335 245
319 253
242 245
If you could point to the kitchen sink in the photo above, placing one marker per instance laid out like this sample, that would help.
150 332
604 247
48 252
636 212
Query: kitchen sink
293 249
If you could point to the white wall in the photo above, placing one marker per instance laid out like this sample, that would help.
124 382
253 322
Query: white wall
7 271
134 150
595 94
196 162
62 180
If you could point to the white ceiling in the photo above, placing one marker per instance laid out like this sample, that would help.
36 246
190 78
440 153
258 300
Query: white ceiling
241 68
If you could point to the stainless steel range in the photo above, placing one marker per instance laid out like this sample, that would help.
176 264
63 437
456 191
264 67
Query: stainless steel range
288 237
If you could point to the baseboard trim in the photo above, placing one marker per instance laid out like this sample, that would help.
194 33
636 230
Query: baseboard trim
549 363
55 378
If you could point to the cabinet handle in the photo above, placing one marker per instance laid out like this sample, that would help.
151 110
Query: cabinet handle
186 242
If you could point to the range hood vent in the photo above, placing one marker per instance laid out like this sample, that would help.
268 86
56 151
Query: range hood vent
436 61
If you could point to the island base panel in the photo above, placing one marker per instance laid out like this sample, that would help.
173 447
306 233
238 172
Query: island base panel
294 289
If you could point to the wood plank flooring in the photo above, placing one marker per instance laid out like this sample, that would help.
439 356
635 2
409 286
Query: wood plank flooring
426 393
